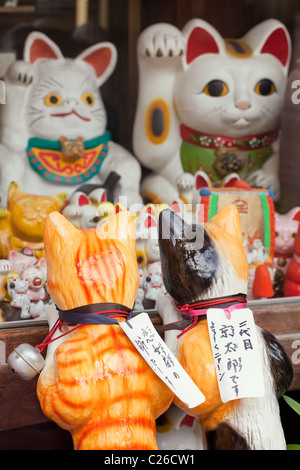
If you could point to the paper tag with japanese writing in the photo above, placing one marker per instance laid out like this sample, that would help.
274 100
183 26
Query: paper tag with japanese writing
236 353
156 353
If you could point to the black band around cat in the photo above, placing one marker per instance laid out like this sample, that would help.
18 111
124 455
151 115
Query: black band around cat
95 314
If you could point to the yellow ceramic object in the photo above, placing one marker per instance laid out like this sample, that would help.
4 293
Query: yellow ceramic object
96 384
22 223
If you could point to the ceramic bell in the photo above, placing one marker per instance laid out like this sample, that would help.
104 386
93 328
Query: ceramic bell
26 361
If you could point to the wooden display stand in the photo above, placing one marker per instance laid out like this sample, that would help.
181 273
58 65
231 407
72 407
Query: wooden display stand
20 406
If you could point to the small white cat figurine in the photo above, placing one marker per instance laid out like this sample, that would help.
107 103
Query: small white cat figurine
17 289
53 125
209 104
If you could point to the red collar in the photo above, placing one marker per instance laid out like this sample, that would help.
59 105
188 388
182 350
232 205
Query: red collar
200 307
250 142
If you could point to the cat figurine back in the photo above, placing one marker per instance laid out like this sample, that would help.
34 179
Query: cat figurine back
208 262
22 223
53 127
209 104
95 383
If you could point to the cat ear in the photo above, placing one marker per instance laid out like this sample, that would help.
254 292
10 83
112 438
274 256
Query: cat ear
229 220
201 180
61 199
172 228
102 57
13 189
201 38
39 46
59 228
294 214
270 37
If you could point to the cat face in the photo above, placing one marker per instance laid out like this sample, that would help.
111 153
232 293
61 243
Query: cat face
28 212
286 228
200 262
64 98
17 286
233 88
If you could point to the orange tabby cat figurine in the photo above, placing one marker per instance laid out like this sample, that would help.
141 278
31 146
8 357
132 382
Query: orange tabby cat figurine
205 266
95 384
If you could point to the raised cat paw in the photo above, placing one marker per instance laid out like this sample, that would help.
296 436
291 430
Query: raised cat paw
5 266
161 40
185 182
260 179
21 73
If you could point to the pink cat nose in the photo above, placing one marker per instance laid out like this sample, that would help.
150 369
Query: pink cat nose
72 101
243 105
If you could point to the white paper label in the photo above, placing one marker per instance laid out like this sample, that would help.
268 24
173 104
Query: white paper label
236 353
156 353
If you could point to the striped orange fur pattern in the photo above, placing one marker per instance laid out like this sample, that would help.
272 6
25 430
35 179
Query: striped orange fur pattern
86 266
104 392
98 386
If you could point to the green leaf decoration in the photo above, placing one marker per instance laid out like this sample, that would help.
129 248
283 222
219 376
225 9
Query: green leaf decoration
293 447
292 403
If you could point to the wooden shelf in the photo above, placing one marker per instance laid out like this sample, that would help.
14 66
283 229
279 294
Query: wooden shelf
20 406
21 9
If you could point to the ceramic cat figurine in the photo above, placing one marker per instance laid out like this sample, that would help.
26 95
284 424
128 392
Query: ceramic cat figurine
286 228
22 223
291 285
53 126
209 104
216 268
5 268
95 383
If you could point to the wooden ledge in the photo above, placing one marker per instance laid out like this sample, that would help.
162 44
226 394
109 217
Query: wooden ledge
20 406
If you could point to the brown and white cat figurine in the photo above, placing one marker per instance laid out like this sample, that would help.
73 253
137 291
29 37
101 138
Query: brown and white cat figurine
203 263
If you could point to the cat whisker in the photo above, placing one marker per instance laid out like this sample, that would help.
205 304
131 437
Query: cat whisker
37 119
208 111
267 112
33 111
87 81
53 81
98 112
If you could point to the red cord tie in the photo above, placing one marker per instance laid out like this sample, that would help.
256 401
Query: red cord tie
49 338
86 315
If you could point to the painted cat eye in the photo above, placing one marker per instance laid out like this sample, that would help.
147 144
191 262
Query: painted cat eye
216 88
53 99
265 87
141 257
88 99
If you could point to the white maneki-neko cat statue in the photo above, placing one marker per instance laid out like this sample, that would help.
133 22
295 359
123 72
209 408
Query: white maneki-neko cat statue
53 125
209 105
